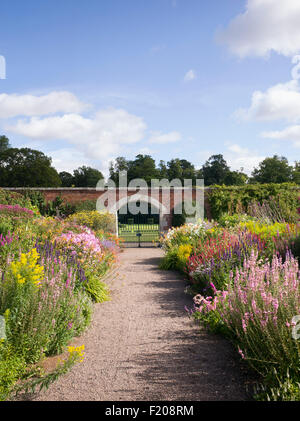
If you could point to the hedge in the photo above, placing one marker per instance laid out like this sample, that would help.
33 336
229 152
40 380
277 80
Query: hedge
236 199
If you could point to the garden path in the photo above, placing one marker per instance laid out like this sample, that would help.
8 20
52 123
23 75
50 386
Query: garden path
142 346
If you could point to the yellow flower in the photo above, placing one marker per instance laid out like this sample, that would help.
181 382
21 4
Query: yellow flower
77 352
27 269
6 314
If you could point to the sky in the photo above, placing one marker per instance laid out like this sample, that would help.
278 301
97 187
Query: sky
87 81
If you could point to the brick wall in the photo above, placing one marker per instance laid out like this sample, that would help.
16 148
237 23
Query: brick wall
78 195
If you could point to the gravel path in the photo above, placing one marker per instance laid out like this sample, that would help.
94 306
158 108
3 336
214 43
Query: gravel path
142 346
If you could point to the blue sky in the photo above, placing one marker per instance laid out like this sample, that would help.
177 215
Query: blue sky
87 81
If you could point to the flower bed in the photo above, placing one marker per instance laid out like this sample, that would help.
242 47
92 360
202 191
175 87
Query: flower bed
246 286
50 274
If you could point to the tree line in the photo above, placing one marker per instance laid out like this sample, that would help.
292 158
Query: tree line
25 167
215 171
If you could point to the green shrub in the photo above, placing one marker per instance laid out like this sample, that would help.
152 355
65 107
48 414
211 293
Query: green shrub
279 388
224 199
169 261
86 205
96 289
6 225
95 220
230 221
12 198
42 312
55 207
295 247
12 367
176 258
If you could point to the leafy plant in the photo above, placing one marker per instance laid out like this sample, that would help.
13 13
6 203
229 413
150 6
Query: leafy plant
95 220
224 199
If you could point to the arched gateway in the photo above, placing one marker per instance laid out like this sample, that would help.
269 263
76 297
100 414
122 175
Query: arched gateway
145 224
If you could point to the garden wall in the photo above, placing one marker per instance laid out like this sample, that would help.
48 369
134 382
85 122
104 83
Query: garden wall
217 199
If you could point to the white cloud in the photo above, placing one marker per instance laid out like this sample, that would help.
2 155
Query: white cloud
291 133
12 105
190 75
88 139
161 138
265 26
279 102
69 159
99 137
238 157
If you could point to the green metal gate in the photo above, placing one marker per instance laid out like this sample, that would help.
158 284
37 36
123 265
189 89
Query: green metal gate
138 230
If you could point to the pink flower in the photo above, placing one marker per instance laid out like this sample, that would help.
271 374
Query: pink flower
244 325
241 353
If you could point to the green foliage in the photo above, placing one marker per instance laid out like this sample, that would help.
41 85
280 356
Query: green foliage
295 247
45 299
86 177
4 143
12 367
213 322
86 205
189 234
95 220
39 319
96 289
169 261
176 258
56 207
6 225
279 387
67 179
36 198
273 170
235 178
37 378
12 198
27 168
143 166
234 200
296 173
230 221
215 170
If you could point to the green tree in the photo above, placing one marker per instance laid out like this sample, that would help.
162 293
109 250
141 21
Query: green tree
27 168
175 170
188 170
273 170
4 143
67 179
120 164
296 173
235 178
86 177
162 170
143 166
215 170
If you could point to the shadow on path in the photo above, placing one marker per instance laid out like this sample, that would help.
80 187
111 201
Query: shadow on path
191 363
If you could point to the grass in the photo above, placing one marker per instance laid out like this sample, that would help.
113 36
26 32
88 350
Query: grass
149 232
